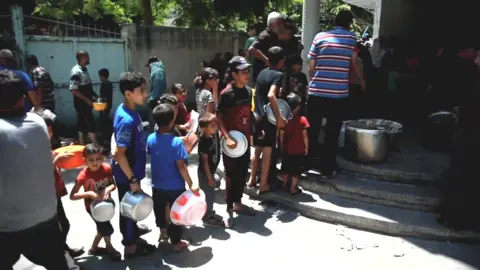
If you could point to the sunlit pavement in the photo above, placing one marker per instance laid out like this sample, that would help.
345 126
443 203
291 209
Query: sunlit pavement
275 238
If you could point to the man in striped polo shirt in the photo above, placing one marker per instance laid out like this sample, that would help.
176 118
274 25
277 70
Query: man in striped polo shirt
331 55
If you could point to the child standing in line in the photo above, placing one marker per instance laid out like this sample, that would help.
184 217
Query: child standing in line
209 155
129 158
299 82
295 145
181 122
61 191
106 93
234 112
97 182
170 99
169 171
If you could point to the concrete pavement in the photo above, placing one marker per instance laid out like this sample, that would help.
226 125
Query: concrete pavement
274 238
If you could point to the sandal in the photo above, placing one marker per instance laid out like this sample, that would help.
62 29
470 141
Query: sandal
213 222
245 211
142 250
114 255
296 192
181 246
251 185
230 222
261 192
143 229
98 251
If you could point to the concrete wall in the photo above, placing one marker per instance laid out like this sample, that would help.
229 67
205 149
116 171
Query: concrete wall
180 49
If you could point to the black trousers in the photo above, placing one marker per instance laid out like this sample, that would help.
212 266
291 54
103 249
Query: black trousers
107 127
236 171
160 200
64 223
128 227
42 244
334 111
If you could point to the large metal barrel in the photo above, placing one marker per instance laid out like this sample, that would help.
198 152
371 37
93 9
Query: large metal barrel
365 143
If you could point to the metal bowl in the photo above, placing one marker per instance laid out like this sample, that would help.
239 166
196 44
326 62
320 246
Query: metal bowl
284 109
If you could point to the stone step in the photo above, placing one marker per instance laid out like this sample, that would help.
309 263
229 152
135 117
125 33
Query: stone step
419 168
422 198
365 216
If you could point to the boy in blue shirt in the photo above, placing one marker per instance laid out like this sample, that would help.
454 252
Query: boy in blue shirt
169 171
129 157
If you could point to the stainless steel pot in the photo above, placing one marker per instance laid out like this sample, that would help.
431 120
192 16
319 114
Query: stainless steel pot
136 205
284 109
392 129
102 211
365 143
341 138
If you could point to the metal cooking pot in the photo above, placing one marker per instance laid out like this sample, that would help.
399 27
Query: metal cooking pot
365 143
438 131
392 129
102 211
284 109
136 205
341 138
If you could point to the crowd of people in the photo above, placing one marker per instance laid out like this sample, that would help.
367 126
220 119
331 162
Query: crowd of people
271 70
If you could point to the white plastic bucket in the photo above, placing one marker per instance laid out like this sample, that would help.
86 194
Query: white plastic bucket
188 209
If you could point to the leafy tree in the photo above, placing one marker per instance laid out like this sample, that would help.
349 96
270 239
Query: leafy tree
205 14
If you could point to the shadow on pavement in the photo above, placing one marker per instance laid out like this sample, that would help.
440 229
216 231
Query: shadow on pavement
255 224
197 235
153 261
190 258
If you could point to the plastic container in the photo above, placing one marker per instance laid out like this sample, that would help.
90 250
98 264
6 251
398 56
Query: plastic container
74 161
188 209
99 104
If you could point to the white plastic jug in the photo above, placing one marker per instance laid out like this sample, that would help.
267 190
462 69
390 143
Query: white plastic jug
188 209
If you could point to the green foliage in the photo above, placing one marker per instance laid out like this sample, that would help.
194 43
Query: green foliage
205 14
122 11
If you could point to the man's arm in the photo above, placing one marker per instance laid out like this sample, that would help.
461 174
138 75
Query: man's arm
312 56
255 49
74 87
181 156
31 92
311 68
272 96
358 69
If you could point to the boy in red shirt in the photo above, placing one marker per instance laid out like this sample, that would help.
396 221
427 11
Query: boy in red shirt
294 141
97 182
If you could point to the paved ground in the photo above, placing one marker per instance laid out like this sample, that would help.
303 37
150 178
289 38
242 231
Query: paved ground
274 238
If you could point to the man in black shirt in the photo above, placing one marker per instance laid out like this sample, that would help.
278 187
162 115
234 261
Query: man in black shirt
279 33
266 39
268 86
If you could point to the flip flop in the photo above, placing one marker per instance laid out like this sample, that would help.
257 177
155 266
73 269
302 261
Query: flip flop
114 255
230 222
245 211
98 251
184 245
142 250
143 229
211 221
298 191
